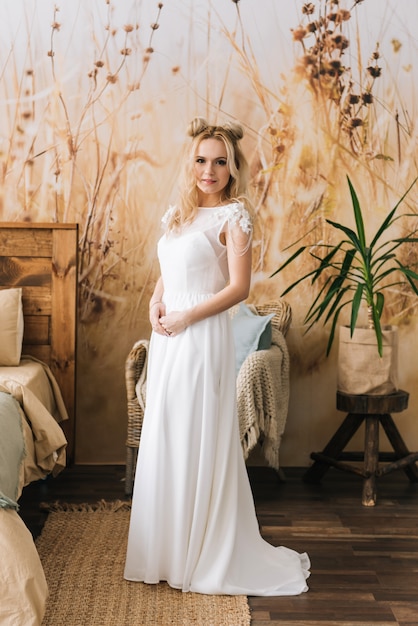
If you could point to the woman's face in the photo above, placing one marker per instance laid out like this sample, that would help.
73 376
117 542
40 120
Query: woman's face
211 171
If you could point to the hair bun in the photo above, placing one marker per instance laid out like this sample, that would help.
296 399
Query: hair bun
235 130
197 126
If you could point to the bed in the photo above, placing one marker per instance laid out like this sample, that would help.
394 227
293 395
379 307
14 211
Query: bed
38 302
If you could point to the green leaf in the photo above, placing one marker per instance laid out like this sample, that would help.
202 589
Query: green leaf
357 214
380 302
332 292
333 327
406 193
336 303
348 260
349 232
387 222
407 271
286 263
410 277
378 330
356 306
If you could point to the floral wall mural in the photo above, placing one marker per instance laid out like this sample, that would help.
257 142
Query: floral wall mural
95 97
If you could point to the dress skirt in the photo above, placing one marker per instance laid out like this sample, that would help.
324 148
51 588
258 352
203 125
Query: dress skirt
193 520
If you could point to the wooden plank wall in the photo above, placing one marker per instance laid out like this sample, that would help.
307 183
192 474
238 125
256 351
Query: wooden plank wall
42 259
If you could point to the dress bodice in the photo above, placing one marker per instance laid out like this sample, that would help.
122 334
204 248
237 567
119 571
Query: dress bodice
194 259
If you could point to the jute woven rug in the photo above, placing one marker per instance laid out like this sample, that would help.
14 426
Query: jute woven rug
83 548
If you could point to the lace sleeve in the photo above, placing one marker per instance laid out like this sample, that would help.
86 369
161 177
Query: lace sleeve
237 221
167 215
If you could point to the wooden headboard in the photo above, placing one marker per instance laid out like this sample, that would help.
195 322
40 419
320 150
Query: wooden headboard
42 259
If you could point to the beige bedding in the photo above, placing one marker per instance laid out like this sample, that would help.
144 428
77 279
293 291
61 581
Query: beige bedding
23 588
36 390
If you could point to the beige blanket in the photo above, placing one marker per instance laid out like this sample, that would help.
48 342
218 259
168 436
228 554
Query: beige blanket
23 587
263 399
36 390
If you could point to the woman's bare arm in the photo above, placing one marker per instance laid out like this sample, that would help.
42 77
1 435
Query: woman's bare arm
157 308
235 291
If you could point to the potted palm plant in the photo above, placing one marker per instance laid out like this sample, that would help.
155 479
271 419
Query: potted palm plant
356 272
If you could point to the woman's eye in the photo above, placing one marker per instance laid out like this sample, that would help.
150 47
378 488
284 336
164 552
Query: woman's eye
200 160
221 162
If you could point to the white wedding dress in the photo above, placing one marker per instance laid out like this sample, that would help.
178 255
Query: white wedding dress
193 521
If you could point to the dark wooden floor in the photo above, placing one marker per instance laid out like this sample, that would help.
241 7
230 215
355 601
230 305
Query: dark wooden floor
364 560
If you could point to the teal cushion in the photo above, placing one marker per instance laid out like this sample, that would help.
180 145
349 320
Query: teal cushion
251 332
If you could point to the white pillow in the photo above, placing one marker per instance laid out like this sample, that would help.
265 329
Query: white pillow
11 326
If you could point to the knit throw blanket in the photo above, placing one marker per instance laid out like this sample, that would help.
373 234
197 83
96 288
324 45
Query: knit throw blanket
263 399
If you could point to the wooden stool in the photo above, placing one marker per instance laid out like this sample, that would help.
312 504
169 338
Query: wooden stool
374 410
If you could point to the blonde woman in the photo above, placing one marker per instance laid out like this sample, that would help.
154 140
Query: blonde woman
193 522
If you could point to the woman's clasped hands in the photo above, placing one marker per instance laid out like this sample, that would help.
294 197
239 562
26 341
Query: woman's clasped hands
169 325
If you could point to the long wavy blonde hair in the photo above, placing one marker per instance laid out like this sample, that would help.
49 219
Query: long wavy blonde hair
237 188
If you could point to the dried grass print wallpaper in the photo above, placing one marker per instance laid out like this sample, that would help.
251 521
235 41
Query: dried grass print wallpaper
95 96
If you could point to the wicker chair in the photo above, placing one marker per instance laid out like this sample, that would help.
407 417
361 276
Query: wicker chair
262 393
